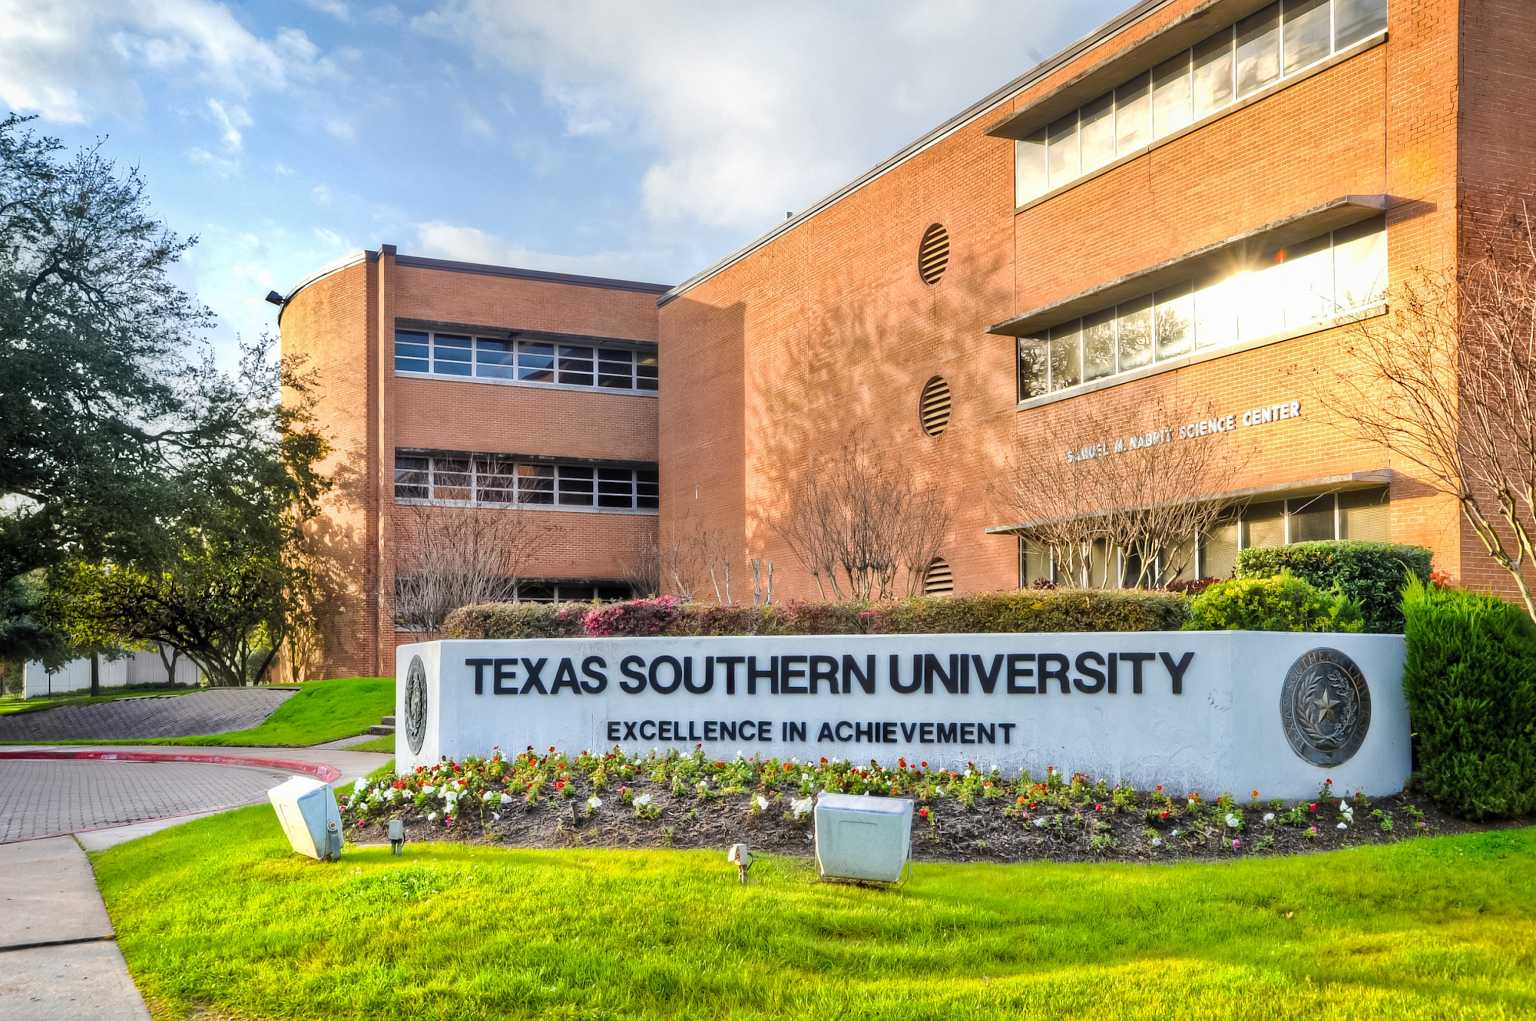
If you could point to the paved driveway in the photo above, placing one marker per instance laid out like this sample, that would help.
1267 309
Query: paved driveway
40 799
200 712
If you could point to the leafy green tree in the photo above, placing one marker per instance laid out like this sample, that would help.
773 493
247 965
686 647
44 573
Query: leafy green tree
227 577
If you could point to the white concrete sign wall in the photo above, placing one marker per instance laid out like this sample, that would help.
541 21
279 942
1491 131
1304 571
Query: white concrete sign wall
1206 711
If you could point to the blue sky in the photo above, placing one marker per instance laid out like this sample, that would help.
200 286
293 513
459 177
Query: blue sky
641 140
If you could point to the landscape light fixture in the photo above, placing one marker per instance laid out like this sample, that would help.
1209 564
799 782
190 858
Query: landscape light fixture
741 857
310 817
396 836
275 298
862 838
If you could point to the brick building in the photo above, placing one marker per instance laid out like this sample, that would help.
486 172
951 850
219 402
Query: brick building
1184 211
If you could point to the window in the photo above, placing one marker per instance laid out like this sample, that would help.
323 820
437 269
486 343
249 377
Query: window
1258 50
550 590
1285 38
495 480
1363 515
1283 290
1311 518
526 360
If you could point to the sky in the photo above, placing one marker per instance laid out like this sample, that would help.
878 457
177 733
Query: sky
639 140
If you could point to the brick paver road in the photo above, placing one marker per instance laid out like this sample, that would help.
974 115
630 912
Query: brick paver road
42 798
201 712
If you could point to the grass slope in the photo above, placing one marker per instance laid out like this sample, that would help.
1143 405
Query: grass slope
218 916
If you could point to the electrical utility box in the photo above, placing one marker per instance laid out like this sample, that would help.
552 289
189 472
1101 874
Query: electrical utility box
862 837
310 816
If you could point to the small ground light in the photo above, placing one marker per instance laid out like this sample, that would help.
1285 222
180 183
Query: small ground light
741 857
396 836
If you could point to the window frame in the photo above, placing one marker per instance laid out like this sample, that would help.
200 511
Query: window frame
540 480
508 368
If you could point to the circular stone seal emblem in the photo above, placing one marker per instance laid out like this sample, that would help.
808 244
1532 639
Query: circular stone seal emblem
415 705
1325 707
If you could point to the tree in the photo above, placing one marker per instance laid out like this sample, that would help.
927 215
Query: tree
456 557
1145 495
224 575
97 389
1447 381
858 523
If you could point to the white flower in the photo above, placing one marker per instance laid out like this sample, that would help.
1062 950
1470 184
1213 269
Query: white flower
1173 833
431 817
1233 822
761 802
427 788
702 785
642 801
594 803
496 817
1039 822
506 799
1343 826
1157 841
1269 817
486 796
800 807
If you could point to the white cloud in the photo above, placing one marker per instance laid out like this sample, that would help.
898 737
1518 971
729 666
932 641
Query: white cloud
744 116
223 166
71 60
476 123
231 120
282 169
321 194
471 244
335 8
340 129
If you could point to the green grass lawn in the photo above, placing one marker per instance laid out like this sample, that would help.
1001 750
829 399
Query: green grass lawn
319 711
217 917
383 743
12 704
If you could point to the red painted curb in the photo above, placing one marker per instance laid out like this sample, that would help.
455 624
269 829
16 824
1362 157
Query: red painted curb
318 770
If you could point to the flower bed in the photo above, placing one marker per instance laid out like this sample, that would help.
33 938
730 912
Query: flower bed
689 800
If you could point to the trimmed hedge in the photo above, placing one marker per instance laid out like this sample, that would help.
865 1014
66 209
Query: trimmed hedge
1470 678
1370 573
1281 602
1001 612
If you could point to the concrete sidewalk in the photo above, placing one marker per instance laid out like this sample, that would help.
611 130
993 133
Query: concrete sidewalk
58 958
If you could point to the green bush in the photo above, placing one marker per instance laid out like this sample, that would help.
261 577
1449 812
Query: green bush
1470 679
1370 573
1001 612
1281 602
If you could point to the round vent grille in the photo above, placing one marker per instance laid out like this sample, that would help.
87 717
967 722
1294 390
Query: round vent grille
933 406
933 253
938 580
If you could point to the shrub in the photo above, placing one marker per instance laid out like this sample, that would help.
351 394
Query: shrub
1370 573
517 620
1281 602
1470 679
1002 612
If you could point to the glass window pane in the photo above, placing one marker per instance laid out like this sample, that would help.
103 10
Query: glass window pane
1215 313
1354 20
1133 115
495 479
1261 307
576 486
494 358
1213 74
1098 132
1178 562
1175 322
1364 515
1360 264
535 483
451 354
615 369
1099 345
1312 518
1172 106
1037 562
410 477
1032 368
1135 333
1062 146
410 351
575 365
647 489
1066 366
1307 283
645 371
1030 179
615 487
1101 564
1306 33
534 591
1258 50
1264 525
450 478
1218 551
536 362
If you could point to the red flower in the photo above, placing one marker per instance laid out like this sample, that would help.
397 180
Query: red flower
1098 806
1312 807
788 768
823 760
922 813
925 764
1163 814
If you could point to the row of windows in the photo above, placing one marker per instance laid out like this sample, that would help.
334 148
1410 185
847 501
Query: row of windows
1278 41
548 591
1285 290
492 480
1359 514
527 361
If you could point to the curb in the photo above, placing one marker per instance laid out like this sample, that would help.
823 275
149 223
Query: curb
318 770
